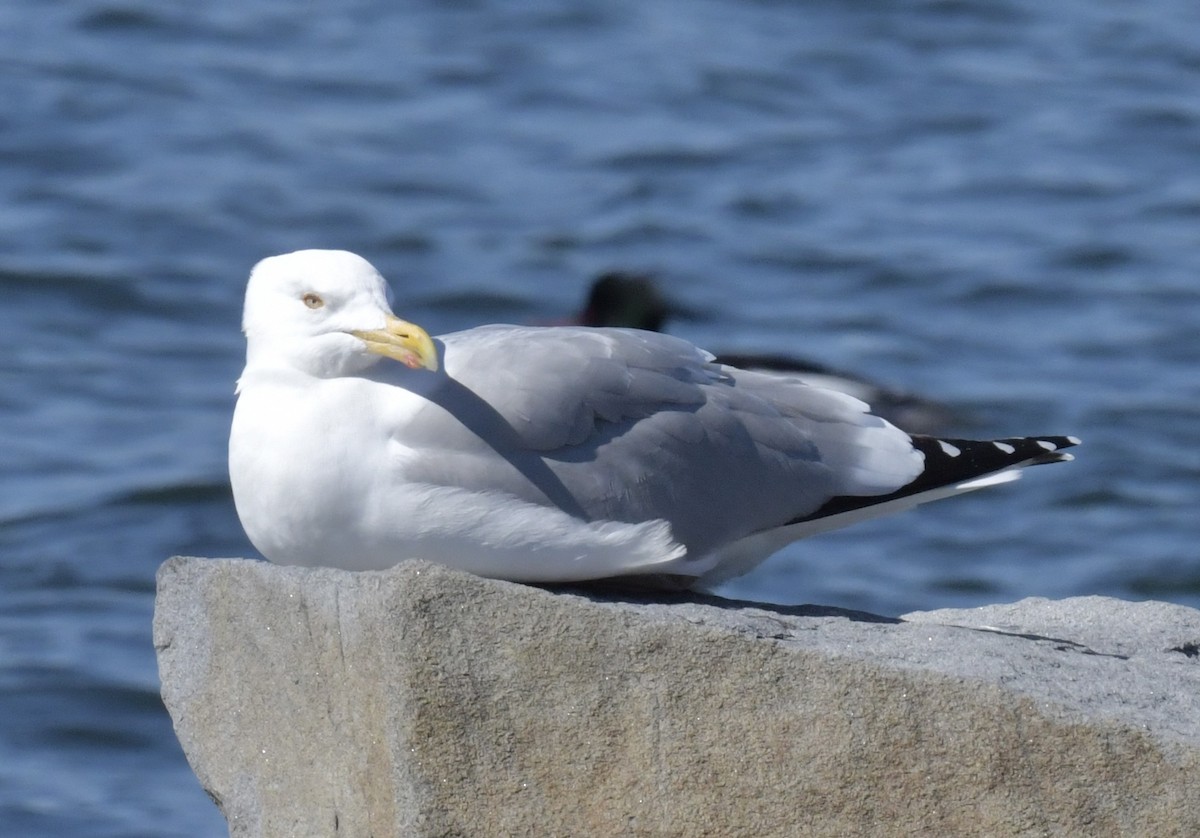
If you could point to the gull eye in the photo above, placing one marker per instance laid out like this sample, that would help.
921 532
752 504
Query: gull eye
313 300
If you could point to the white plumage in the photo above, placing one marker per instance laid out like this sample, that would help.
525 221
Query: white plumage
547 454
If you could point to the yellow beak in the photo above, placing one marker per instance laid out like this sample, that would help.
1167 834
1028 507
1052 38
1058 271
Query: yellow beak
402 341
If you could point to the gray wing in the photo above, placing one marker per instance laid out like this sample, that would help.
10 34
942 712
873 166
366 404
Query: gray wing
613 424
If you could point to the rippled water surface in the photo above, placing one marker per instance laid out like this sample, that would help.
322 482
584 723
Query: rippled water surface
996 205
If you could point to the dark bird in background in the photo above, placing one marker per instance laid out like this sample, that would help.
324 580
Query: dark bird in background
632 300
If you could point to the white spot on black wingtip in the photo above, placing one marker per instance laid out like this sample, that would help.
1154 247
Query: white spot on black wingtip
1005 447
948 449
1074 440
1047 444
1065 457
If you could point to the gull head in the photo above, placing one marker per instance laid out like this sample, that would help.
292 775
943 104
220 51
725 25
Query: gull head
327 313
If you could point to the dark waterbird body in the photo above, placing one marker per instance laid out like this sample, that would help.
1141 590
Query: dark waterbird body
634 300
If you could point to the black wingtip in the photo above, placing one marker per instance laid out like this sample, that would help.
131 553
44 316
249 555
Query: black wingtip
952 461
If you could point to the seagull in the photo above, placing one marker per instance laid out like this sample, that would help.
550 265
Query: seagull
633 300
548 454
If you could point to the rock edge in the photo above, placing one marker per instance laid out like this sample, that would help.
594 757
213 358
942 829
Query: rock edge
423 701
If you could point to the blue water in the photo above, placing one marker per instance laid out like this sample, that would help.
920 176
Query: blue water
995 204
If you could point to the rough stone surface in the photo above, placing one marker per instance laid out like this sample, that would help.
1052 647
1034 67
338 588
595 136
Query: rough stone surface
421 701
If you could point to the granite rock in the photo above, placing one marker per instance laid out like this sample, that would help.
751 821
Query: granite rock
422 701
